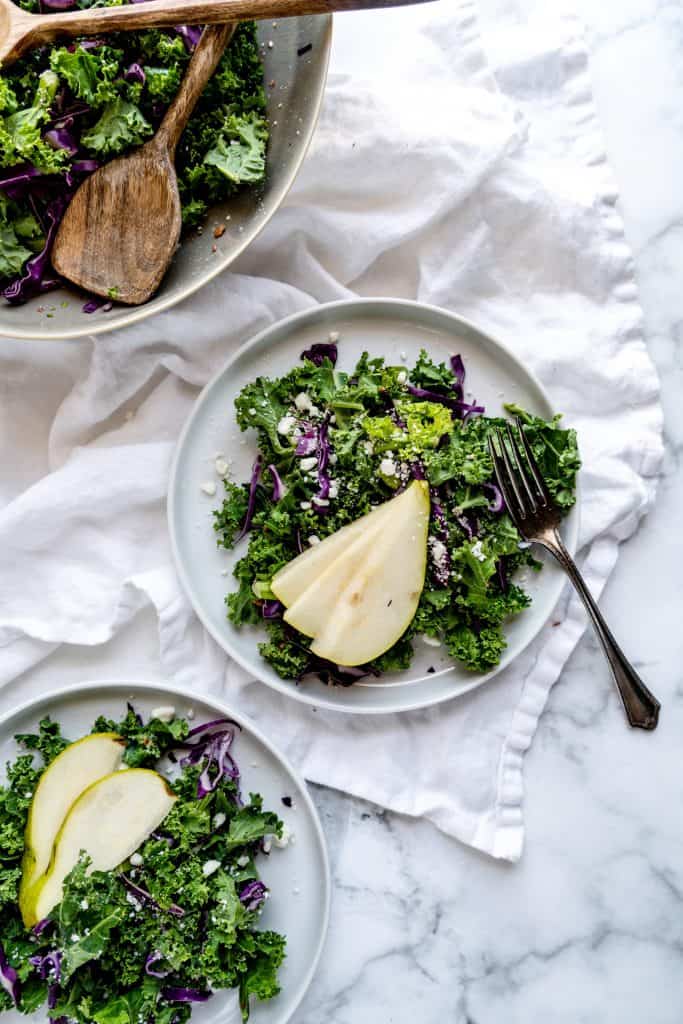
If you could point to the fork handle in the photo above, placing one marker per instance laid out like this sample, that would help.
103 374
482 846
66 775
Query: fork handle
642 708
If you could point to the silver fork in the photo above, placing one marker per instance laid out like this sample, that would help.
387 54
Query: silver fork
537 519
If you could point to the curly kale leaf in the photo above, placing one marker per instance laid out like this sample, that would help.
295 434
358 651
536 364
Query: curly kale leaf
121 125
49 741
557 453
145 743
239 153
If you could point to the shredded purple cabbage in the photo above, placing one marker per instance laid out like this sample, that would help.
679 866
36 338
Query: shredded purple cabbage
501 571
308 442
184 995
151 960
318 353
190 35
211 725
86 44
458 368
62 138
57 5
33 280
9 979
253 895
251 505
42 926
497 503
463 409
468 527
272 609
442 570
135 73
324 451
279 489
213 749
49 965
80 169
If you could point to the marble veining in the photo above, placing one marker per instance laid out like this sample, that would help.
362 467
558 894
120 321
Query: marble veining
588 927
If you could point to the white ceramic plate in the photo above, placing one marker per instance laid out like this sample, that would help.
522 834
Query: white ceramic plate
394 329
298 876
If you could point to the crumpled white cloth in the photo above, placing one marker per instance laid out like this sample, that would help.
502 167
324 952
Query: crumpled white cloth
486 194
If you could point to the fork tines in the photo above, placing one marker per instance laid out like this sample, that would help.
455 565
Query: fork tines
517 473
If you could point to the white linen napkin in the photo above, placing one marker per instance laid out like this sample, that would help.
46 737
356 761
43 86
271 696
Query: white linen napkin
432 179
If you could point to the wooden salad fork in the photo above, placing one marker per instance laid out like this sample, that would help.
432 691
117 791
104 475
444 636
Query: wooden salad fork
21 31
537 519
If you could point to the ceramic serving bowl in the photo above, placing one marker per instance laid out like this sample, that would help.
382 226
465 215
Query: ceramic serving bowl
295 76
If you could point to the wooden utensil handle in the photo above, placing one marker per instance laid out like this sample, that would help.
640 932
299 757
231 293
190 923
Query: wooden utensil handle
206 56
162 13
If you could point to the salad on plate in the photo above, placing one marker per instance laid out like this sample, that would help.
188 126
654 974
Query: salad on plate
66 109
129 886
372 517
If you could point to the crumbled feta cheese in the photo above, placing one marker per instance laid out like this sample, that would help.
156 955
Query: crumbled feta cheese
242 861
368 447
333 337
221 467
75 937
252 411
309 463
314 411
84 905
209 488
210 867
165 713
477 551
135 903
333 459
303 402
402 377
285 839
439 552
321 502
313 540
286 425
219 819
304 505
387 467
136 860
431 641
267 844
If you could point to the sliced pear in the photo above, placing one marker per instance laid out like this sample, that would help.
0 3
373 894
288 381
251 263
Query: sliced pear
290 582
310 611
109 821
380 600
77 767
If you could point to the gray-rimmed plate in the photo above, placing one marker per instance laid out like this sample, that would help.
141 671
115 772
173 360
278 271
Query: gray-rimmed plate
397 330
298 876
295 82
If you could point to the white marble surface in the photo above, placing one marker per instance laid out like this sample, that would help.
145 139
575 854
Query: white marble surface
589 926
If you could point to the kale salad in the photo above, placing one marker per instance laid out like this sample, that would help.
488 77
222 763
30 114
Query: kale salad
334 445
66 109
177 921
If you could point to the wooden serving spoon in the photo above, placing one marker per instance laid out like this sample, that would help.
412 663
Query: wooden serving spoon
21 31
122 227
